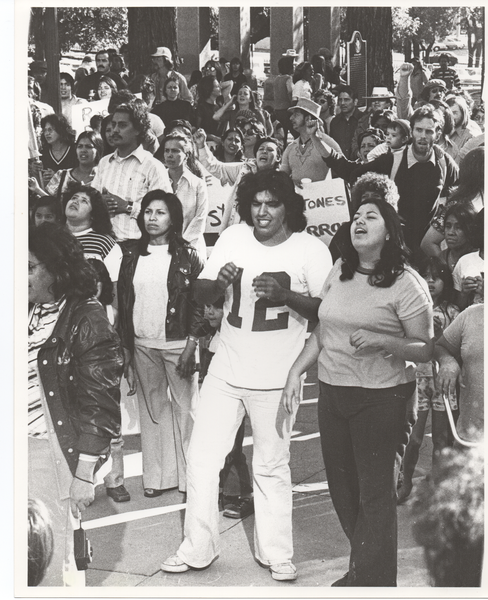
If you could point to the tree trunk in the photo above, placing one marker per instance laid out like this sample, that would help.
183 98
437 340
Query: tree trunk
148 29
375 26
36 26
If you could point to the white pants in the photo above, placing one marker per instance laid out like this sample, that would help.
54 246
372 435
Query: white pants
218 416
166 419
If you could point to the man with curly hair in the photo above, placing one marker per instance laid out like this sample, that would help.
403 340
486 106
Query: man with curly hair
125 176
270 272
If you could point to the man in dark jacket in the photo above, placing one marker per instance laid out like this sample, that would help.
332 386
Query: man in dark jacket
90 82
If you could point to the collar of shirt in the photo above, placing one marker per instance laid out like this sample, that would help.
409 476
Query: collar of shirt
411 160
40 311
85 231
138 153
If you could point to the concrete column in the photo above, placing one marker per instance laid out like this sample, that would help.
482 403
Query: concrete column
235 33
286 27
193 35
324 28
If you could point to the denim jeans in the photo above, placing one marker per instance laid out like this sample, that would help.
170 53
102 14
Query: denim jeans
360 431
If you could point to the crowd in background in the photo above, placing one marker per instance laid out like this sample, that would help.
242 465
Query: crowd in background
124 280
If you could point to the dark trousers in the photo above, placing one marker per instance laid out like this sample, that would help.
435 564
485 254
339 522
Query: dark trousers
360 431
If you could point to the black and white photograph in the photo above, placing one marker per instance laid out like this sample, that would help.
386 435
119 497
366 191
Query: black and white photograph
254 362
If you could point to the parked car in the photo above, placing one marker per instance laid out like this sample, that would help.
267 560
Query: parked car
454 43
434 58
439 46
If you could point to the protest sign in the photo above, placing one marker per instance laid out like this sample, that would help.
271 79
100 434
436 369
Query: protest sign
82 113
326 207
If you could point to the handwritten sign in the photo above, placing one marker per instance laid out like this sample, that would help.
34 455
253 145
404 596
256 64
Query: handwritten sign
82 113
218 200
326 207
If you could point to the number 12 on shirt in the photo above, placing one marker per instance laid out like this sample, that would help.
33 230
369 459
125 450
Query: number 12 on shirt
260 322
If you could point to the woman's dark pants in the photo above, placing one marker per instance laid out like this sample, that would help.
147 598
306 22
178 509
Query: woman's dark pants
360 431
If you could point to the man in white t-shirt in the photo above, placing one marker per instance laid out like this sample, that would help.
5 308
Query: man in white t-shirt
270 272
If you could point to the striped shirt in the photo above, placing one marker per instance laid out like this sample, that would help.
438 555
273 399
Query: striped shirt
103 247
130 178
42 319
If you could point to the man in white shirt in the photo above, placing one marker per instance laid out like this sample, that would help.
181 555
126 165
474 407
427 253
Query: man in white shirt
126 176
270 273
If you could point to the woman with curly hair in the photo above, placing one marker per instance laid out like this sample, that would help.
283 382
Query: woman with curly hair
159 324
75 362
374 319
58 146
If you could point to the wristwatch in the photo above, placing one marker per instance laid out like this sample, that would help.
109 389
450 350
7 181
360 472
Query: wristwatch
128 210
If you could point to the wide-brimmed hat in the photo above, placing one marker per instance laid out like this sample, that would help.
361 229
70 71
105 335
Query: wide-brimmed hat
309 106
290 52
163 51
380 93
433 83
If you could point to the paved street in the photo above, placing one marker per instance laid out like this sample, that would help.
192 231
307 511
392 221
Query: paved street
130 539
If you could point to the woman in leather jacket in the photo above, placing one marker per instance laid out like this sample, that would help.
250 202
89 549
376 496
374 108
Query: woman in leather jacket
75 364
159 325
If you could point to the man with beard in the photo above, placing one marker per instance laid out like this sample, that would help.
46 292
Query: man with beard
423 174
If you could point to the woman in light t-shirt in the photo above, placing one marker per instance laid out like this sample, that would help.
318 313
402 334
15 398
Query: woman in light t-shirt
375 321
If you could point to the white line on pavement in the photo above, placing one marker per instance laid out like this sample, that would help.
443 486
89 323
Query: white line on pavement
132 516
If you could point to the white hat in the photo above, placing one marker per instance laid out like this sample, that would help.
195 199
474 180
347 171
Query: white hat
309 106
290 52
163 51
380 92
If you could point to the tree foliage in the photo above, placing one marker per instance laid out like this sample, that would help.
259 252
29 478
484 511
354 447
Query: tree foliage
91 28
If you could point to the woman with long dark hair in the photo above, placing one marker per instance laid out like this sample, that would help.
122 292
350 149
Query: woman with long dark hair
87 217
209 102
374 319
89 151
58 146
469 191
75 365
159 325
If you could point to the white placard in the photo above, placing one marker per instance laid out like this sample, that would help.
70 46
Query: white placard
82 113
326 207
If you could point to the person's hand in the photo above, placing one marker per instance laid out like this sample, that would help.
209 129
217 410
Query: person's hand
186 363
470 284
47 175
115 204
130 375
200 137
291 392
406 69
34 186
449 372
227 275
312 126
81 495
267 287
362 339
35 167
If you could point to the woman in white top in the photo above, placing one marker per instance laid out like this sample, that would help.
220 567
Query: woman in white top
302 82
159 325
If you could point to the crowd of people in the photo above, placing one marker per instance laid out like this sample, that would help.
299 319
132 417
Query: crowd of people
123 282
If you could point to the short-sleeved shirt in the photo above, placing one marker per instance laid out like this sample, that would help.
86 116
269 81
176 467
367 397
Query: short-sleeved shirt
465 336
260 339
355 304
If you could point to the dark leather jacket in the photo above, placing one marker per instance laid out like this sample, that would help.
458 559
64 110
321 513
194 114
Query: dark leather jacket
80 367
183 315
